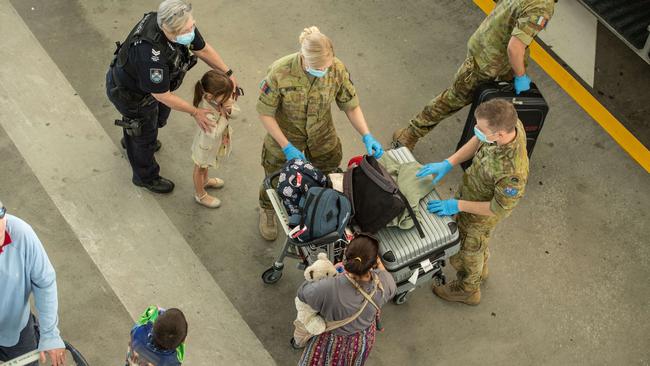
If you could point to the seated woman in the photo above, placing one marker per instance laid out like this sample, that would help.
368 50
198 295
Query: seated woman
339 299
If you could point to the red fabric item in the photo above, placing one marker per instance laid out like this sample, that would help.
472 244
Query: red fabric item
6 242
355 161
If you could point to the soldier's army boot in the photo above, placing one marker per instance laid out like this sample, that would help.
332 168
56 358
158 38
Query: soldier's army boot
454 291
268 227
455 262
405 137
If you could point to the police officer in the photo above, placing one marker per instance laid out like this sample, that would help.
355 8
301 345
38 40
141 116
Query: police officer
491 187
295 108
147 68
496 51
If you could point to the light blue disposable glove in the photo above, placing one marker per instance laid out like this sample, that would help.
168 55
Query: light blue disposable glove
373 146
439 169
290 152
522 83
443 208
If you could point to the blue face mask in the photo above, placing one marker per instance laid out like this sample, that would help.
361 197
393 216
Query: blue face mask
316 73
481 136
185 39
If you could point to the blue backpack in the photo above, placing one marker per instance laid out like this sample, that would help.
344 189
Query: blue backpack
322 211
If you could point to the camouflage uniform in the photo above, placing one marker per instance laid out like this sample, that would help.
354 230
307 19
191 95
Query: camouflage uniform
487 57
498 174
302 106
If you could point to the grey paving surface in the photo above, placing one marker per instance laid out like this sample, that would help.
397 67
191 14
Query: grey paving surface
569 269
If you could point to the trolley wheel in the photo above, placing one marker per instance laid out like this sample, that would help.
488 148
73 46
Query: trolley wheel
400 298
271 276
440 280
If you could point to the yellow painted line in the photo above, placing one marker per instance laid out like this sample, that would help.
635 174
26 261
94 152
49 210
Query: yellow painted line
584 99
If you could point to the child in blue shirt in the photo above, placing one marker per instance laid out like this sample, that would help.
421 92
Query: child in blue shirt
158 338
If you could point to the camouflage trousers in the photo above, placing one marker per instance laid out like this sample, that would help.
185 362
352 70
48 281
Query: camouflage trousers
273 159
458 95
474 251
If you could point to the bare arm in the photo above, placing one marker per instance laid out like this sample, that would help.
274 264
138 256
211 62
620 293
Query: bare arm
465 153
477 208
358 121
272 127
211 57
177 103
516 53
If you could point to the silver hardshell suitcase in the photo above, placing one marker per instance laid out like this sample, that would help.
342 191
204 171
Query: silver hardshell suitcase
413 260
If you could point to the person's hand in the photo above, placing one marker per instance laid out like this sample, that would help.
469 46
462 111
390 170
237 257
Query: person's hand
57 356
380 264
522 83
202 120
443 207
290 152
439 169
373 146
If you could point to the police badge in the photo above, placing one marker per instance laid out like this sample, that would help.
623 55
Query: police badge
156 75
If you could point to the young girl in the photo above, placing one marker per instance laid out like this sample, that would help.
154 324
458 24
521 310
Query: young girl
214 92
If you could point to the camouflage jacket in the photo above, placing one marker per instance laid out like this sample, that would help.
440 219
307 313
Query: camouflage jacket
510 18
498 174
302 105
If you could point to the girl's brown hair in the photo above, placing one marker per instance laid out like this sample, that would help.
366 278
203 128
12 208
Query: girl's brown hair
361 255
215 82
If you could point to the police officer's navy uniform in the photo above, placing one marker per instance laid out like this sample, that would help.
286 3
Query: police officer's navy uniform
147 62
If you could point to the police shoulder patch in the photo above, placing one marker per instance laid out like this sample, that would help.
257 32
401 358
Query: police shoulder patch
510 191
156 75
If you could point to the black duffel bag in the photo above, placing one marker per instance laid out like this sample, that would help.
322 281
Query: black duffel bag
376 199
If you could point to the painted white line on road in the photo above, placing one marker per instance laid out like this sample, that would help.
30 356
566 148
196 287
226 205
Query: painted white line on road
132 241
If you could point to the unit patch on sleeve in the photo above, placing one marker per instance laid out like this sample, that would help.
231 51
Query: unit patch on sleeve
156 75
540 22
264 87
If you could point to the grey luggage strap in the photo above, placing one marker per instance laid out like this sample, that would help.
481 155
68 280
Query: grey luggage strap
384 180
368 298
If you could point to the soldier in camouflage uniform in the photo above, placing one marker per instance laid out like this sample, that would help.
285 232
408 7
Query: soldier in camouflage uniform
496 51
295 108
491 188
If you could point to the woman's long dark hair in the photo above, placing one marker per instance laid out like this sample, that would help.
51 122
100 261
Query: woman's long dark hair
215 82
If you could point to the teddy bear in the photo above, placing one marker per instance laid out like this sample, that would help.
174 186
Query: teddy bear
308 318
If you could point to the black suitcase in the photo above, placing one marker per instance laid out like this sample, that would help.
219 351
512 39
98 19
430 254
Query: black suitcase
530 105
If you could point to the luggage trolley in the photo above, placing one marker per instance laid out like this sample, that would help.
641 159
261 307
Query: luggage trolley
306 252
33 356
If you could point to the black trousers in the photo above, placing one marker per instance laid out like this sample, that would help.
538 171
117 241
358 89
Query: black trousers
27 342
140 149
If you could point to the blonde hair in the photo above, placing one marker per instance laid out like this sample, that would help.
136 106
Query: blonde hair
173 15
316 48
